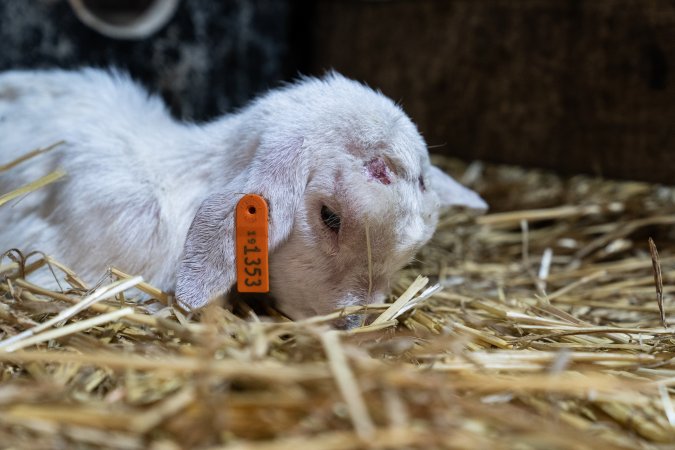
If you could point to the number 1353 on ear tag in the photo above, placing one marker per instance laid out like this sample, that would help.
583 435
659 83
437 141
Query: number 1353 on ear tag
251 225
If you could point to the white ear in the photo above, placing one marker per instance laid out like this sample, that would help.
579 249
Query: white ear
451 193
207 269
208 266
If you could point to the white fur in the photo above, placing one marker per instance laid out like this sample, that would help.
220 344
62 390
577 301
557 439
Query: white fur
156 197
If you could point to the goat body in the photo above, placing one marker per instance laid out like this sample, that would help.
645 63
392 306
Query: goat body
334 159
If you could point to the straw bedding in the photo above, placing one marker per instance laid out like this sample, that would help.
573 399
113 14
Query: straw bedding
546 332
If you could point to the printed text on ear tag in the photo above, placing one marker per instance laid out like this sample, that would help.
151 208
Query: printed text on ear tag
251 219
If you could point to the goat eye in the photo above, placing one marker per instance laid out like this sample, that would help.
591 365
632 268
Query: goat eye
330 219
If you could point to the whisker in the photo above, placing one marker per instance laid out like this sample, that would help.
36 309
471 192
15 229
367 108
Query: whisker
370 262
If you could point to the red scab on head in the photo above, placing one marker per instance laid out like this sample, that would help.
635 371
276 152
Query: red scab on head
377 169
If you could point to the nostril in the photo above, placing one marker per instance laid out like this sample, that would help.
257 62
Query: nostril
347 323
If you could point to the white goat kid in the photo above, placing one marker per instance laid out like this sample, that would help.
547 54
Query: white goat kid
155 196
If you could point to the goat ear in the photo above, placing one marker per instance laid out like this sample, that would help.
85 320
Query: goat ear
451 193
207 269
208 266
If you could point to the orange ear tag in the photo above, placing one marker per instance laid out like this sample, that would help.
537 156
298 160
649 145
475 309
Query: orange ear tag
251 224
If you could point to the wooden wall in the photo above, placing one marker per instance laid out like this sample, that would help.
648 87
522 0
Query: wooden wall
575 86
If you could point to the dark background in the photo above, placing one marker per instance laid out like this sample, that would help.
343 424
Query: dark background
213 55
569 85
